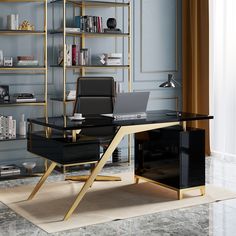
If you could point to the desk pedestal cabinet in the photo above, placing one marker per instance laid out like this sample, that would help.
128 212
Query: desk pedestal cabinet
172 157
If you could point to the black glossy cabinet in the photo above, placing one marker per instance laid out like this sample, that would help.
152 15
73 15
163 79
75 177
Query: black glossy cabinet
171 156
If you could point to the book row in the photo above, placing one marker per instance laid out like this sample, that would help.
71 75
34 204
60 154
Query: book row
92 24
7 127
75 55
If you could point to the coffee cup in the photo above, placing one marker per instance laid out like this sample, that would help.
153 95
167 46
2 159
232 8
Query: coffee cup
78 116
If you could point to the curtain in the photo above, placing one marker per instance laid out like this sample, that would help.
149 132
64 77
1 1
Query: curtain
223 76
195 63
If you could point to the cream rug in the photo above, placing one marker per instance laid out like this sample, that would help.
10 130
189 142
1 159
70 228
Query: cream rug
105 201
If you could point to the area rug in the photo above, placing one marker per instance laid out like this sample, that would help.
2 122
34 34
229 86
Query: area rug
105 201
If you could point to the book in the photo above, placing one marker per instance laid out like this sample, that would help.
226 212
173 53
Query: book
113 55
111 59
112 31
25 58
9 170
90 24
113 63
24 95
73 55
73 30
27 63
84 56
68 54
25 99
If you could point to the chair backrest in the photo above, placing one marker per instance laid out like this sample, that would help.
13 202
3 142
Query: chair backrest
94 95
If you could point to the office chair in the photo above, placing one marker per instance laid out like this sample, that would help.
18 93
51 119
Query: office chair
95 96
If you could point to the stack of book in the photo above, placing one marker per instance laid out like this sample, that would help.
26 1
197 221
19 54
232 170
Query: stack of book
71 95
24 97
74 55
7 127
91 24
111 59
26 61
9 170
72 30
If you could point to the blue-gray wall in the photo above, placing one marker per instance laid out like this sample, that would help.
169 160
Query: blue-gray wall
156 52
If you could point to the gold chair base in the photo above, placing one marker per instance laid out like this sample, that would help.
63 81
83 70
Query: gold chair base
84 178
180 192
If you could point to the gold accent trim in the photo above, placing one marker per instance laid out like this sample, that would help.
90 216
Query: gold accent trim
129 72
156 182
179 192
84 178
182 191
64 57
74 134
45 59
184 124
80 163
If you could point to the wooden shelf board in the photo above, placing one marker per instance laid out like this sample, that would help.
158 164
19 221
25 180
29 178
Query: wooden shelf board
8 68
88 34
19 1
14 103
94 67
93 3
61 100
21 32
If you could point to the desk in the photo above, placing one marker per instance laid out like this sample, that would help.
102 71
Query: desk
154 120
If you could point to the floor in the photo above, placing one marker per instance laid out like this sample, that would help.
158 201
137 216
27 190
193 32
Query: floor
218 219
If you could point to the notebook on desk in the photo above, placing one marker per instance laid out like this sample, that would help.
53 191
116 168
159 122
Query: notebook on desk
130 106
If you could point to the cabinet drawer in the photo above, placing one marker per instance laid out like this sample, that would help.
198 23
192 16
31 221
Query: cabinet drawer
62 150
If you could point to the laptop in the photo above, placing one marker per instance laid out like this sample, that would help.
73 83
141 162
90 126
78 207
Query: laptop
130 106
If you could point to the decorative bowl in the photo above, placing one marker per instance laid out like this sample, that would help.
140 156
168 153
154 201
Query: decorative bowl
29 165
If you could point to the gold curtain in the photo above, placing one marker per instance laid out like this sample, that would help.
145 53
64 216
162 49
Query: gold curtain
195 46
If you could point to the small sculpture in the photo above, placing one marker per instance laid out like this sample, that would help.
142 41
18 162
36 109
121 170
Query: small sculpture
111 24
25 25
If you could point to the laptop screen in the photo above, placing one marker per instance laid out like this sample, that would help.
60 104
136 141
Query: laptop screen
131 103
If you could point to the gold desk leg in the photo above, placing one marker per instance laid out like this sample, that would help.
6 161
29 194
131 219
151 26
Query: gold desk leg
180 194
203 190
124 130
98 178
136 180
116 140
42 180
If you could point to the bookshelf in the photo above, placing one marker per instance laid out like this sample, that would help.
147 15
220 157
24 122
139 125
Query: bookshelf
82 36
79 9
12 71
